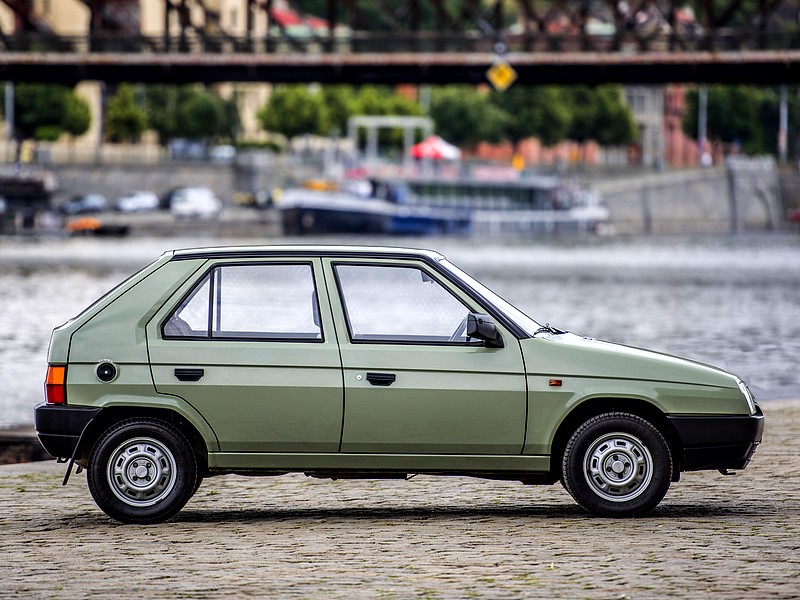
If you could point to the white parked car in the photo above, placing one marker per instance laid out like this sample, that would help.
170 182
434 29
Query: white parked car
137 202
222 154
195 202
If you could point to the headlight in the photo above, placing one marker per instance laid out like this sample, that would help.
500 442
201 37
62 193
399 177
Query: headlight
751 403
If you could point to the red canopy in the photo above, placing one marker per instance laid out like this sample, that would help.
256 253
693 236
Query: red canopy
436 148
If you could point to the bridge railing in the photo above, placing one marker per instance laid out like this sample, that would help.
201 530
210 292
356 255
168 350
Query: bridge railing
394 42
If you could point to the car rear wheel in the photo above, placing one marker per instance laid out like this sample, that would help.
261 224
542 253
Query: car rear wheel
617 465
142 471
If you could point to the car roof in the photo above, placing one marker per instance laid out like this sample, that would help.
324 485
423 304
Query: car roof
305 250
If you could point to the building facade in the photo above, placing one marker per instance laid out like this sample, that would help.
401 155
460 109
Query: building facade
195 20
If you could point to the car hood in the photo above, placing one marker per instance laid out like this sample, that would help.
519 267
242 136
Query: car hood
572 355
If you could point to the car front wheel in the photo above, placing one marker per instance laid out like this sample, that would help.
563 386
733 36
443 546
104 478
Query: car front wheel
617 465
142 471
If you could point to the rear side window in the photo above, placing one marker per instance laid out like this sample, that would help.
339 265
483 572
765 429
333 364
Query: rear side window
266 302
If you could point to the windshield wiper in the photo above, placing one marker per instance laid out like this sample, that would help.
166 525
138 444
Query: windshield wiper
547 328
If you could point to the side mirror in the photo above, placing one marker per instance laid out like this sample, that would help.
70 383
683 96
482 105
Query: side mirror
483 328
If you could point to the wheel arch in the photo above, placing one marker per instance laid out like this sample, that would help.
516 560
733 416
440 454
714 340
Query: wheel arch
111 415
595 406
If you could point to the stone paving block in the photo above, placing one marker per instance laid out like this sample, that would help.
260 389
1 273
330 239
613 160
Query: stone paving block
713 536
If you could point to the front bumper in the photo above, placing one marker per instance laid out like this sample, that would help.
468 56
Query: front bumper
719 441
59 427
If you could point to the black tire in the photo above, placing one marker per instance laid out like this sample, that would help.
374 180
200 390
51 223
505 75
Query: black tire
142 471
617 465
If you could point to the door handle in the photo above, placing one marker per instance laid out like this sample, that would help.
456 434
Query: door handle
189 374
382 379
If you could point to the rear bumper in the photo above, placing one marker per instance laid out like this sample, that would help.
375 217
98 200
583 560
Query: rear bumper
719 441
59 427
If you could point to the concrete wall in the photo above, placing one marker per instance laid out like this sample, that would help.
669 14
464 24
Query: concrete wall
251 172
742 196
114 181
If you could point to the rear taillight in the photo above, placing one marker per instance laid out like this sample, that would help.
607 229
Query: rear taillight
54 386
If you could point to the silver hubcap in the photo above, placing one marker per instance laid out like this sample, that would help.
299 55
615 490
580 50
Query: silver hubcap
618 467
141 472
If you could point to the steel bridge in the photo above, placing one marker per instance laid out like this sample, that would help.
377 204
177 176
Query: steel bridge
417 41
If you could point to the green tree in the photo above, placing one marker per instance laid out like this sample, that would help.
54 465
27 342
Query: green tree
161 105
39 109
381 100
189 111
125 118
734 116
599 114
201 116
341 104
614 122
534 111
231 121
43 111
78 116
294 110
464 116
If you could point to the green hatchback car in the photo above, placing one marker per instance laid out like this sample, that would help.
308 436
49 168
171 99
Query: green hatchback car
356 362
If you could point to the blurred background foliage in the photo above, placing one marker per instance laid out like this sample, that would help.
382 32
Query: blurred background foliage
744 117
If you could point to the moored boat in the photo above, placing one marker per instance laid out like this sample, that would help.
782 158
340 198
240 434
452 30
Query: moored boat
443 206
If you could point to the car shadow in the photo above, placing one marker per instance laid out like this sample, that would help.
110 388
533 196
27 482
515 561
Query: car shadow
539 512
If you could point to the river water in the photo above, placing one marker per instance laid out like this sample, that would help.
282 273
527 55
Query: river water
732 301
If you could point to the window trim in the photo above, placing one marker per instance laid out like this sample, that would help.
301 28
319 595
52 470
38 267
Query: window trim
431 259
396 342
209 337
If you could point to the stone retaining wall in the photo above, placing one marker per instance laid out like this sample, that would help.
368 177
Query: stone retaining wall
744 195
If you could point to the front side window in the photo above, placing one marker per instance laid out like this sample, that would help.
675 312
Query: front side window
399 304
276 302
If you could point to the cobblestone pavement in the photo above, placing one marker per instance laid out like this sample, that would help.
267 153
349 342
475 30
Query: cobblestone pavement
713 536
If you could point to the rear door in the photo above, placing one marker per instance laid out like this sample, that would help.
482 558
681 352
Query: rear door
250 345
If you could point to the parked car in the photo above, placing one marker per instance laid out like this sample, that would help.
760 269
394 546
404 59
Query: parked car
137 202
349 362
194 202
87 203
183 149
222 154
92 226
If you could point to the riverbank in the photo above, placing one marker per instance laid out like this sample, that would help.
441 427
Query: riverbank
20 445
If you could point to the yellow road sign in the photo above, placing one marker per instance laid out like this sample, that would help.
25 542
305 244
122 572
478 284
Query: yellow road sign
501 75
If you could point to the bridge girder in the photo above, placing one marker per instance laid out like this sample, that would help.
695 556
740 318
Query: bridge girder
757 67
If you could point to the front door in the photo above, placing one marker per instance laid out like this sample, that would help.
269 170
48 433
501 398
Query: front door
251 346
414 383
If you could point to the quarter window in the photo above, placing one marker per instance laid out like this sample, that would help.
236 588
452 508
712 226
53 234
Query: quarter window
250 301
399 304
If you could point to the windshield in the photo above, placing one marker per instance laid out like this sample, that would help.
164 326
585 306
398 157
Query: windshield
527 324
